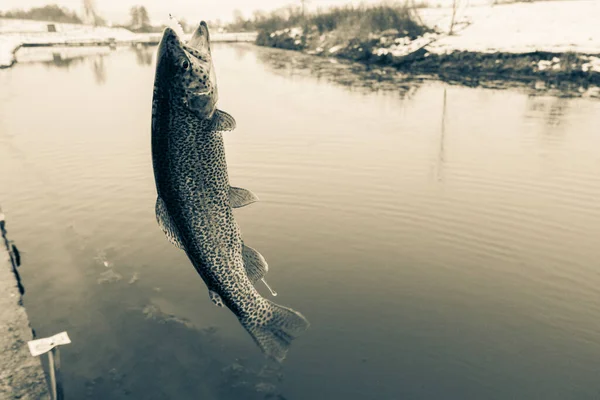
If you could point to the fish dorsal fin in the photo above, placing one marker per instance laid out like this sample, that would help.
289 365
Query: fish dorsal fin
215 298
222 122
256 266
166 223
239 197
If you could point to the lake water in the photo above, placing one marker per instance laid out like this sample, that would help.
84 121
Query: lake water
442 240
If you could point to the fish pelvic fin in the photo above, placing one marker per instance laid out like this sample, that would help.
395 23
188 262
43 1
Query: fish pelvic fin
222 122
215 298
274 328
166 223
239 197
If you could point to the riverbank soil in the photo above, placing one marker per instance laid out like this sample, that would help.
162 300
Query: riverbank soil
21 375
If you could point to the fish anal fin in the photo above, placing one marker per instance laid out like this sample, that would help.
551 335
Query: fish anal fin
222 122
256 267
215 298
239 197
166 223
255 264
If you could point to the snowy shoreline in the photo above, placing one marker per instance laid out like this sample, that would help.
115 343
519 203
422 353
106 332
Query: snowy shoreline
556 42
544 26
15 34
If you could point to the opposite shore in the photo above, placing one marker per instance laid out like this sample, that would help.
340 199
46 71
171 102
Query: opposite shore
549 44
16 34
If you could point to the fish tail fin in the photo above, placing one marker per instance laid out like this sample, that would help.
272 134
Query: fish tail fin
275 328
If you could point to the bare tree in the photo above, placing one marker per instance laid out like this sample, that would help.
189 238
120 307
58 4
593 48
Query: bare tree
239 22
144 18
455 5
304 13
135 17
139 17
90 13
238 17
303 8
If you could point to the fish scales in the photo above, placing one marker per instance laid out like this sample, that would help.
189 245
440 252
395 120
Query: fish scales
197 177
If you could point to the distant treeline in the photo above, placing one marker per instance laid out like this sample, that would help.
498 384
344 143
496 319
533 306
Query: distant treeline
361 19
50 12
139 19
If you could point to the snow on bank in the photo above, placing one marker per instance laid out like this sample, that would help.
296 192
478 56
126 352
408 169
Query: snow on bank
14 33
7 47
404 46
552 26
544 26
593 64
9 25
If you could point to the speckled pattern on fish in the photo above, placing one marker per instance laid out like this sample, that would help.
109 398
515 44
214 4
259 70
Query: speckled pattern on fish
195 200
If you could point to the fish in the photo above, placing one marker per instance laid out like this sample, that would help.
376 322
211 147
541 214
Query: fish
195 201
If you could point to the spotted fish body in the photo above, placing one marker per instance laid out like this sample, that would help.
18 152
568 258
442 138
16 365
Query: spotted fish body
195 200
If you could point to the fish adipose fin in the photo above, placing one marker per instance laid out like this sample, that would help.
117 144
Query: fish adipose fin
215 298
275 328
239 197
256 266
222 122
166 223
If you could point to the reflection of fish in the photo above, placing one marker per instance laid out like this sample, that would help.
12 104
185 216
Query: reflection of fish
195 201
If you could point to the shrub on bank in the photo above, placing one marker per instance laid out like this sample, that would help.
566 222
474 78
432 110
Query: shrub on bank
335 26
361 21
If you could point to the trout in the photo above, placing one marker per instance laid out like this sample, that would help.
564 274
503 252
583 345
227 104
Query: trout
195 200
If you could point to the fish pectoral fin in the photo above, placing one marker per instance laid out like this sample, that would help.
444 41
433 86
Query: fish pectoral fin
239 197
166 223
215 298
222 122
256 266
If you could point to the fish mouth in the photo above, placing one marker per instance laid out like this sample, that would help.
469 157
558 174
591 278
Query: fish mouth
170 35
169 41
200 39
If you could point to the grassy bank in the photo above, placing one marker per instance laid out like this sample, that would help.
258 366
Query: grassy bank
395 36
336 26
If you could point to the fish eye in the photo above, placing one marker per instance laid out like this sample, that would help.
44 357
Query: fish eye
185 64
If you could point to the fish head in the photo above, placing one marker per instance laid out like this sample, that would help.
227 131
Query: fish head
188 72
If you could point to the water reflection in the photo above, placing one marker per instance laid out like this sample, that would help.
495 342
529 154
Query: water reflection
68 57
59 61
144 55
441 158
241 52
354 76
553 110
59 57
99 70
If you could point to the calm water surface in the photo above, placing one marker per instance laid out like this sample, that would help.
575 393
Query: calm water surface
442 240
